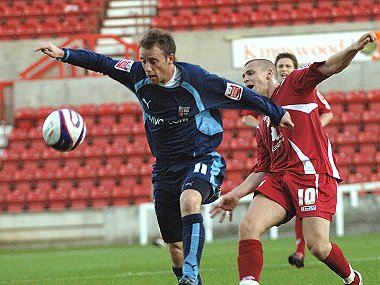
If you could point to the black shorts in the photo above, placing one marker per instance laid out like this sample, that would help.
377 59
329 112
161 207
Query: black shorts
204 174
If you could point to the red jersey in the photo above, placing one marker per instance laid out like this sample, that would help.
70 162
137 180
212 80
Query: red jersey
252 113
323 105
305 149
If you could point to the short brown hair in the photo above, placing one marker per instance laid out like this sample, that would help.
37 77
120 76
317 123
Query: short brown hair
289 55
263 64
161 38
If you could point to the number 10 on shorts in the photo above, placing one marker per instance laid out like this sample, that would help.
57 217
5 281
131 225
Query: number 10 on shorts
307 196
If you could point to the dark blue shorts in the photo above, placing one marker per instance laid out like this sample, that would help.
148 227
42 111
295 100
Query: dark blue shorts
204 174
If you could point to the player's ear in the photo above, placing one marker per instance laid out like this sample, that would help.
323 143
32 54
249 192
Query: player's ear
171 57
270 73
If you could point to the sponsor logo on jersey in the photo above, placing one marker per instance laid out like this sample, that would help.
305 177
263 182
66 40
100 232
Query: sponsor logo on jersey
183 111
124 65
146 102
160 122
234 91
308 208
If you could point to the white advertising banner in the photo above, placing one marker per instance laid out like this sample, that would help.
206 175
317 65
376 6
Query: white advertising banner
307 48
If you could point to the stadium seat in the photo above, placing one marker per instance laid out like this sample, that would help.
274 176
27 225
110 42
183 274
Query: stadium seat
162 22
241 20
362 12
181 22
108 114
221 21
281 17
122 195
373 99
206 7
25 118
376 11
79 198
15 201
142 192
301 16
321 15
100 197
356 101
374 177
357 178
184 8
37 199
89 112
341 13
58 198
201 22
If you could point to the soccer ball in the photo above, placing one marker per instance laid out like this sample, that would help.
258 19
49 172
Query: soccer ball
64 130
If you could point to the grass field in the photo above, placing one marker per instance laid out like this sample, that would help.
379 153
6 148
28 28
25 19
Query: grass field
136 265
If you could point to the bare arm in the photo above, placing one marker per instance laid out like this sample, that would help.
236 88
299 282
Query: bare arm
229 201
250 121
340 60
326 118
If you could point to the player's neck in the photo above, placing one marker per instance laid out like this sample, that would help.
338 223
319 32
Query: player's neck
272 88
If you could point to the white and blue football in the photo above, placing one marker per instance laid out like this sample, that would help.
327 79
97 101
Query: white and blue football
64 130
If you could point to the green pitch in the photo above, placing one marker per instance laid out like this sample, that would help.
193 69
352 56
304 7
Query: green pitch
136 265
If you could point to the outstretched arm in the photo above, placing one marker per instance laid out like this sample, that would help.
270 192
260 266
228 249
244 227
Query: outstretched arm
50 49
340 60
229 201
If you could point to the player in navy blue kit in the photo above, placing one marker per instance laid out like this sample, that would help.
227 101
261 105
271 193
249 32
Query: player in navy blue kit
180 103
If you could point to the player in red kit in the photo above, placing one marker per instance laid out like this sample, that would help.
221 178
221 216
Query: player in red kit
296 173
285 63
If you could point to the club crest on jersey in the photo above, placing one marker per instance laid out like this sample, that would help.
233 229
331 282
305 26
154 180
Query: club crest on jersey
124 65
183 111
233 91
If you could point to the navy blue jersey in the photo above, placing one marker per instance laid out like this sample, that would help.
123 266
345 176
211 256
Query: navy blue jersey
183 120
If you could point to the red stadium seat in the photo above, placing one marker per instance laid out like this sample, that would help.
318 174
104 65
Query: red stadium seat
206 7
184 7
362 12
356 101
181 22
321 15
142 193
376 11
37 199
100 196
79 198
122 195
357 178
341 13
241 19
15 201
221 21
281 17
301 16
201 22
58 198
25 118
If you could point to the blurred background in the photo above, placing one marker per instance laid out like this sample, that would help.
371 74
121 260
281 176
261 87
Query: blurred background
101 192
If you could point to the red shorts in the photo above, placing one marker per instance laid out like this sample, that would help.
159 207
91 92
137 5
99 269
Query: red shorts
303 195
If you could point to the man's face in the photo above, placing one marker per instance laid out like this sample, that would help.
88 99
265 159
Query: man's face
158 67
284 67
255 78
